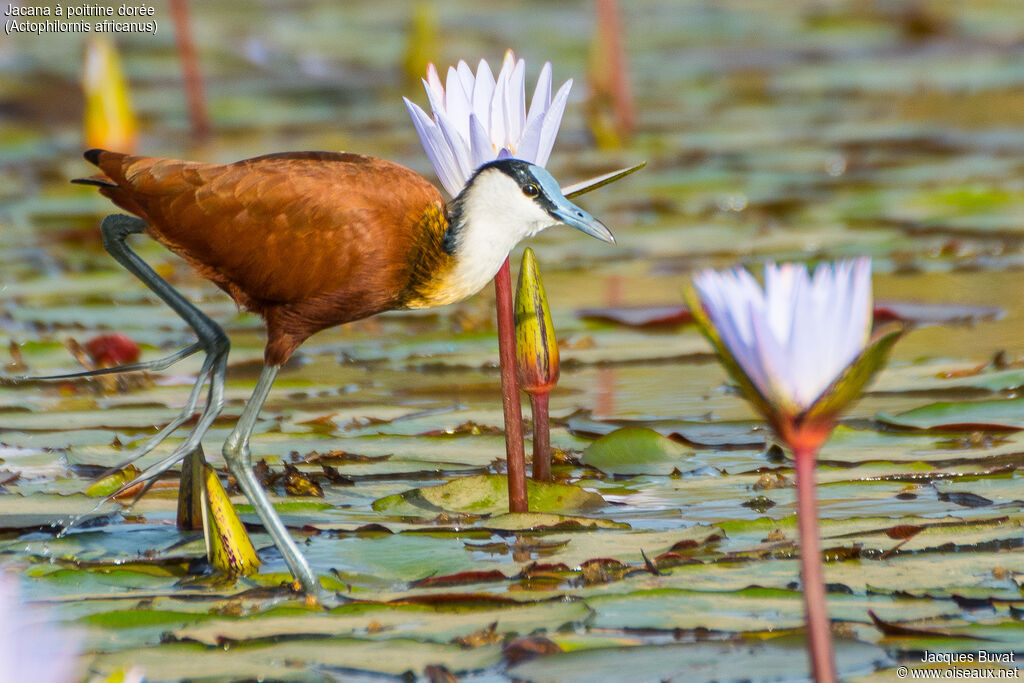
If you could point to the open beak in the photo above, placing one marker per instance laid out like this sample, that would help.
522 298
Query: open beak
573 216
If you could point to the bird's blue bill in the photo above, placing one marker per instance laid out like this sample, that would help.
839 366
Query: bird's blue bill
567 212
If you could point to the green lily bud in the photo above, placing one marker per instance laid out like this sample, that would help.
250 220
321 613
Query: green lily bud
536 346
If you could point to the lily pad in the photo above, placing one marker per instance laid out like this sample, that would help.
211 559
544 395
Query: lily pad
636 450
1005 415
486 495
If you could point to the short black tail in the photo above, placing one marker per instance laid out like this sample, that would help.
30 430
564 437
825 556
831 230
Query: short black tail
93 155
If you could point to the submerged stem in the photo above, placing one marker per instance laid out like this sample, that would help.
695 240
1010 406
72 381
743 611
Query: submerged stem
819 637
514 455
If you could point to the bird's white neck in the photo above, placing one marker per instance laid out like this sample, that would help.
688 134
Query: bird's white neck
487 223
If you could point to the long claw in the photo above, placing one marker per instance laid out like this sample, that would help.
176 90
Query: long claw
155 365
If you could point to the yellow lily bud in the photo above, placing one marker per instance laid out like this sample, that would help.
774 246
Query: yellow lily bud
109 121
227 544
536 347
422 41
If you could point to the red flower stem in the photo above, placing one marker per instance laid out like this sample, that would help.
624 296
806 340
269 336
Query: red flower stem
515 457
541 436
819 637
197 114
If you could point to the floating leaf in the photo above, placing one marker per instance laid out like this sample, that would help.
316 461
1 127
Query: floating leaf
1002 415
113 482
486 495
636 450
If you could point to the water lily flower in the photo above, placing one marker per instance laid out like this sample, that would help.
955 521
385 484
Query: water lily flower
479 118
536 357
32 646
801 350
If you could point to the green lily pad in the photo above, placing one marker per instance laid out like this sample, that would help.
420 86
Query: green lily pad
636 450
486 495
1007 415
533 521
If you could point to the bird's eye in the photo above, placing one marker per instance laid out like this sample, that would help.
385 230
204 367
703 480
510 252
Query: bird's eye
531 190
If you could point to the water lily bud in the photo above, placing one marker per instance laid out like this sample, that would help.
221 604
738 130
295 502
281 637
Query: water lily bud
109 121
227 544
536 346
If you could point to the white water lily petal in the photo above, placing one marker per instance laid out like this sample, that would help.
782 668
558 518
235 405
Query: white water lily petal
516 110
466 78
481 148
33 646
795 337
438 151
479 118
541 100
529 145
497 116
459 145
552 120
457 103
483 91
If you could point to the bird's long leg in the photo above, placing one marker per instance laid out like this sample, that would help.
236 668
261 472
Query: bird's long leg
115 229
239 460
170 427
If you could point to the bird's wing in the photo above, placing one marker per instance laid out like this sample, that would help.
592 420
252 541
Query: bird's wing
281 228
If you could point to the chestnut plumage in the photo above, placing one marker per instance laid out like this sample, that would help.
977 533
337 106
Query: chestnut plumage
306 240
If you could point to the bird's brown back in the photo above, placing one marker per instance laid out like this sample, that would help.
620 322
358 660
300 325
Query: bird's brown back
308 240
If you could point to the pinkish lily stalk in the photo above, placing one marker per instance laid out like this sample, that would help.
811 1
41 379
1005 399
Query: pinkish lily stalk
478 118
801 350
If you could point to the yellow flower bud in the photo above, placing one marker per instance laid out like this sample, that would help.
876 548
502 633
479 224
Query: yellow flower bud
109 121
227 544
536 347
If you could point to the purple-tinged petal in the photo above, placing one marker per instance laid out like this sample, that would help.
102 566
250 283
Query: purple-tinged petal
481 148
541 96
495 121
435 97
467 79
772 365
552 120
33 646
438 151
504 153
530 142
457 104
516 99
458 145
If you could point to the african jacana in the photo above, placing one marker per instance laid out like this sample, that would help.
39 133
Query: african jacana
310 240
